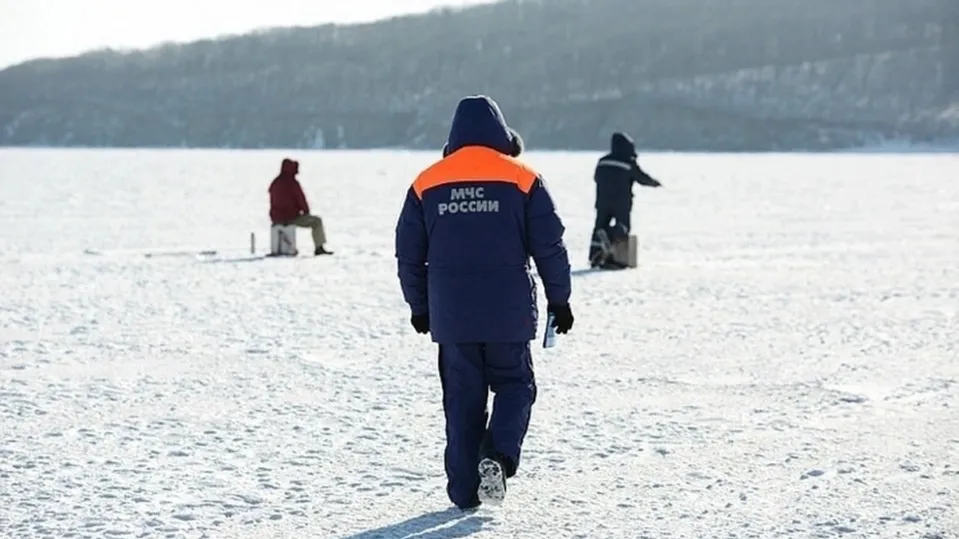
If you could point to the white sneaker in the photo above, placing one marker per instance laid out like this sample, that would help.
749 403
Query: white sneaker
492 488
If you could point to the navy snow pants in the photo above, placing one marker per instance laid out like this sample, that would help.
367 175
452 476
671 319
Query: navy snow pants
468 372
605 217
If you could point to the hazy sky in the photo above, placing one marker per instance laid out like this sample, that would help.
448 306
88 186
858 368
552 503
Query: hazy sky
52 28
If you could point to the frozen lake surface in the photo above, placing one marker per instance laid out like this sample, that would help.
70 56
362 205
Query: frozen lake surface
783 363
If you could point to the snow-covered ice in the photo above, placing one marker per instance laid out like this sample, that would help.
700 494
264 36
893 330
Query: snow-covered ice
784 363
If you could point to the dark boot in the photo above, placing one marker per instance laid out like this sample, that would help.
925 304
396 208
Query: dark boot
321 251
600 249
472 505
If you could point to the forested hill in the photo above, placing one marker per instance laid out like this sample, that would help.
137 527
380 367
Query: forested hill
677 74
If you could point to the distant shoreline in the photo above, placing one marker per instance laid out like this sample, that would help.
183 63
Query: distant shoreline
881 149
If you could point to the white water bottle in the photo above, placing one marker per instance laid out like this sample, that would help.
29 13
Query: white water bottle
549 336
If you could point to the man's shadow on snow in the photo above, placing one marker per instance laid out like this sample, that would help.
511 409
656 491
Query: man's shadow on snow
463 525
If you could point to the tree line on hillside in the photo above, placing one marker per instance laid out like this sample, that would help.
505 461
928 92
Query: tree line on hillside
567 70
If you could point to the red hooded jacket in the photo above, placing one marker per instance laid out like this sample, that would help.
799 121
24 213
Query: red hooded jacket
287 201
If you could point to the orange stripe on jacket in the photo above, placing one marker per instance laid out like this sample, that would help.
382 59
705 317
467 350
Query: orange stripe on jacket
475 164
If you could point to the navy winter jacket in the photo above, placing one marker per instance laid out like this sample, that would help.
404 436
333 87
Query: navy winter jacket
468 228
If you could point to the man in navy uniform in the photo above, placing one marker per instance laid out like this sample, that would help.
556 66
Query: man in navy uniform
464 239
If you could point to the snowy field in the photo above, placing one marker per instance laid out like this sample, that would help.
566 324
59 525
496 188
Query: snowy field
784 363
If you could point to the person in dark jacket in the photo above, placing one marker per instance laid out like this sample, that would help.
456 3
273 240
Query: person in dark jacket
464 238
288 205
615 174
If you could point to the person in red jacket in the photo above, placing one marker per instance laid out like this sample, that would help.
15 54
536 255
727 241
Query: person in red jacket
288 205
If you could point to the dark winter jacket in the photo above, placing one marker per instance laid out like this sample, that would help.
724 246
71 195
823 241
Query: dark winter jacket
616 172
287 201
469 225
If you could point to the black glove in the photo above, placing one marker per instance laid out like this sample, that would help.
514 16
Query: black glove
563 317
421 322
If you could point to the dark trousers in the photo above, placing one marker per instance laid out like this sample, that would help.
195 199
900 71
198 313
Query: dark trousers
605 217
468 372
